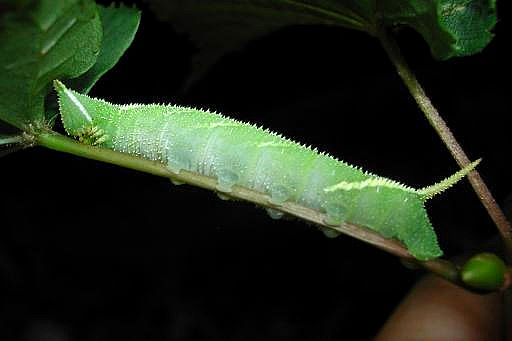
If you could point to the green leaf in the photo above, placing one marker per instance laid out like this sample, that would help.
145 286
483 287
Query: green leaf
119 28
51 39
450 27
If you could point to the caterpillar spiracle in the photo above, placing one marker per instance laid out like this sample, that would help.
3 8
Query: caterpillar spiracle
237 153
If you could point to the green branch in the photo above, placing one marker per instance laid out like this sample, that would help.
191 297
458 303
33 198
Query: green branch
55 141
10 139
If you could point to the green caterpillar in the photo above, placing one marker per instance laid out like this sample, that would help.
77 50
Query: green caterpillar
239 153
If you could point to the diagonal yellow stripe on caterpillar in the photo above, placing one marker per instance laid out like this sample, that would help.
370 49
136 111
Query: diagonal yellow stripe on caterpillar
425 192
373 182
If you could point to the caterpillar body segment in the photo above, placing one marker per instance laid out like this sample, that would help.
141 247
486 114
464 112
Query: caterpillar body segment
238 153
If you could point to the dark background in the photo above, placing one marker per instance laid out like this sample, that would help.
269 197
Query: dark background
91 251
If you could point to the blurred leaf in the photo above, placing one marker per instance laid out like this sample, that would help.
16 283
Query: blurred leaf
450 27
119 28
9 5
219 27
49 39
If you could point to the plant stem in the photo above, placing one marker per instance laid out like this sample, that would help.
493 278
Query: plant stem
10 139
55 141
447 137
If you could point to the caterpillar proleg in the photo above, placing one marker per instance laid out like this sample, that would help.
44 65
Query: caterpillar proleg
238 153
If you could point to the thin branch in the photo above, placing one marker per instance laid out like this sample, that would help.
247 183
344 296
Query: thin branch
10 139
61 143
447 137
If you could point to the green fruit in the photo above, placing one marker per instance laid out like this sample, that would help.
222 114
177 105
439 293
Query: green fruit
484 271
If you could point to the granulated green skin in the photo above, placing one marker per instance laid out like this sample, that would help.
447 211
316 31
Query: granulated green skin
242 154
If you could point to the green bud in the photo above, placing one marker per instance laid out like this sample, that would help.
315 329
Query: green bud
484 271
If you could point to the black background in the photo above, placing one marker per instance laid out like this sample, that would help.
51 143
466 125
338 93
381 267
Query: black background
91 251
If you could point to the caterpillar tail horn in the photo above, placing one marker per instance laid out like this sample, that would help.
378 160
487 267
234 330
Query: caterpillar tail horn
430 191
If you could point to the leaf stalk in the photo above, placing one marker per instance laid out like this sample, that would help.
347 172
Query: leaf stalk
436 121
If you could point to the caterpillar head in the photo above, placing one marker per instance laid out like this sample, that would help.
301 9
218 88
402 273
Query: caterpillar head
77 113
